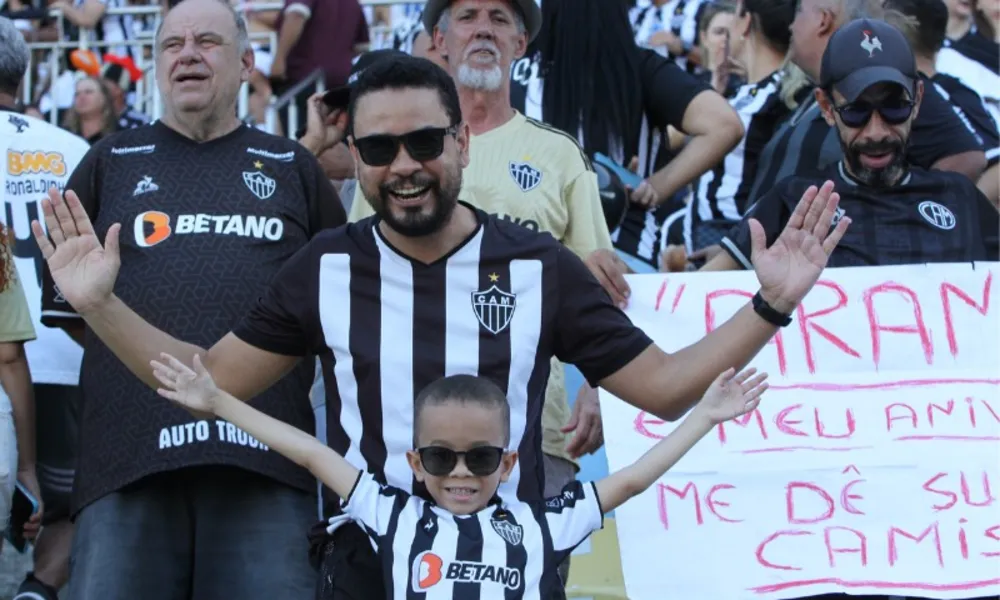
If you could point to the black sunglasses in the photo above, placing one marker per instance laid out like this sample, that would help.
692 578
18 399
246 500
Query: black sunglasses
481 461
422 145
857 114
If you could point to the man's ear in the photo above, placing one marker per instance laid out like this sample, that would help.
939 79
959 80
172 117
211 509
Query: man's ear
462 138
247 64
826 106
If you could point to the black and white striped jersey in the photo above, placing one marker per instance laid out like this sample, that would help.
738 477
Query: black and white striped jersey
677 16
978 47
506 550
384 326
720 194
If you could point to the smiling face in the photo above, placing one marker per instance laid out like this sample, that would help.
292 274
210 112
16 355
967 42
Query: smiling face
481 39
199 64
414 196
461 426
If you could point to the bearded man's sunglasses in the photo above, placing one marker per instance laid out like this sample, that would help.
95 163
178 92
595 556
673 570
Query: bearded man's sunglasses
857 114
422 145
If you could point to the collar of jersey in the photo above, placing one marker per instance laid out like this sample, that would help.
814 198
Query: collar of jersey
849 180
385 246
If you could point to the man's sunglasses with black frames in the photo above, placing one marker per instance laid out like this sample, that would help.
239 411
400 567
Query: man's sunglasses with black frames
422 145
894 110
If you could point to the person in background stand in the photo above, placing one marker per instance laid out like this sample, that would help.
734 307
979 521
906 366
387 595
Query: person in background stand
721 69
119 83
963 35
54 357
925 30
670 27
315 34
93 114
759 40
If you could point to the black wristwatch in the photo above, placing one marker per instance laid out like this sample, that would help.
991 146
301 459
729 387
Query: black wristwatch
767 312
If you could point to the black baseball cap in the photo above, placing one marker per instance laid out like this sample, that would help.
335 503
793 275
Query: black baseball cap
530 11
339 97
865 52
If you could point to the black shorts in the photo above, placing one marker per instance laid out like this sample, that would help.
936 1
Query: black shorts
57 412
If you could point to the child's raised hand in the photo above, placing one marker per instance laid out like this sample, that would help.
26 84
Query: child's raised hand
732 395
193 389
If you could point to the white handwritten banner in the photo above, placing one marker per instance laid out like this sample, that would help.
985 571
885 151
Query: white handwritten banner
871 466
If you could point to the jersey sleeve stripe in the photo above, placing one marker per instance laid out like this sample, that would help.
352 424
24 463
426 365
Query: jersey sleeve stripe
734 251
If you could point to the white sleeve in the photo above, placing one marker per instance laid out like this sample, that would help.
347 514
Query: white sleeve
573 515
372 504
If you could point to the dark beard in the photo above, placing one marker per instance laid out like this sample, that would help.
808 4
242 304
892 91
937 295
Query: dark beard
877 178
414 223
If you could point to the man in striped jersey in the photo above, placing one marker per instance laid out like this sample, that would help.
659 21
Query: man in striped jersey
523 171
431 287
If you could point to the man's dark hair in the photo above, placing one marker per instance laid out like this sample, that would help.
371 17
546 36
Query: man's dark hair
928 35
462 389
773 18
590 66
405 72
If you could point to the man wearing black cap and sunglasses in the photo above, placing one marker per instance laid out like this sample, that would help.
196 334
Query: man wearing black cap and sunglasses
870 91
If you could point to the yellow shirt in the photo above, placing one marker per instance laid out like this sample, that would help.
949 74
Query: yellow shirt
529 173
15 318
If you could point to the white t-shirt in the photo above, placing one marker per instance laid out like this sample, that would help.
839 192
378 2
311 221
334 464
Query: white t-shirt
37 155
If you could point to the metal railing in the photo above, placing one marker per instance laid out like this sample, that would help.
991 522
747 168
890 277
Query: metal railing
147 99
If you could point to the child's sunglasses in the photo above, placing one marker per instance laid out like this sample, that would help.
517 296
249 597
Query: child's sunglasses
440 461
857 114
422 145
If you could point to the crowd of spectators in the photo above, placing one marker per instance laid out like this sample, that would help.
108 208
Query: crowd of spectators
716 109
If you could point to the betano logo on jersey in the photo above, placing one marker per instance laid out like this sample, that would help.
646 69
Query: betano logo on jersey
34 162
429 570
153 227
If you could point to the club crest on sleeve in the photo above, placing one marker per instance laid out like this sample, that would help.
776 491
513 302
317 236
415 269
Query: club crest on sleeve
258 183
493 307
512 533
524 175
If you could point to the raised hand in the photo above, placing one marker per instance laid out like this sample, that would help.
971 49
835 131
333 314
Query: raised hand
732 395
83 270
790 267
194 389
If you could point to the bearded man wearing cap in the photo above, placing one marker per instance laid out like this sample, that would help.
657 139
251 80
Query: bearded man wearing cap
524 171
870 92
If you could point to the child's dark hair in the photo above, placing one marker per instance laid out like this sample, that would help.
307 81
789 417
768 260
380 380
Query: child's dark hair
405 72
462 389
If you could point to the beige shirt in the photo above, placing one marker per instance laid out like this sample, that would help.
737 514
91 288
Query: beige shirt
15 318
532 174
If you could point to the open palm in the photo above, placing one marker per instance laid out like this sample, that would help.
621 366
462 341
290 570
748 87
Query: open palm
193 389
790 267
82 269
732 395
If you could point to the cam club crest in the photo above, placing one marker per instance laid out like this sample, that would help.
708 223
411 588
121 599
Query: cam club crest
493 307
510 532
524 175
259 184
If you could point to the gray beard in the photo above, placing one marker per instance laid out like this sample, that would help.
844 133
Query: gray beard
487 80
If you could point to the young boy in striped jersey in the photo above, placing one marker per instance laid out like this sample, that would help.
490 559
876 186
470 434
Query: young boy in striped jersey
467 544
